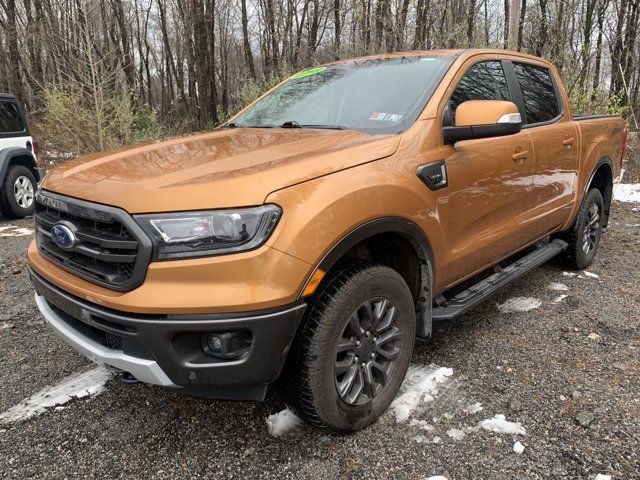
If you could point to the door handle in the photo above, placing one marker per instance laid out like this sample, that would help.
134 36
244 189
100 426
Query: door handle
521 155
567 142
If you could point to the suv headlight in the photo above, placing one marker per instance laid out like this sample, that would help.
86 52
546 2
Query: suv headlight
213 232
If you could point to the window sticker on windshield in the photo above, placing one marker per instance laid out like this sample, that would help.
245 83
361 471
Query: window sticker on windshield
307 72
385 117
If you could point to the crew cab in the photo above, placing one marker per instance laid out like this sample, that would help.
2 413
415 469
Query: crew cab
317 234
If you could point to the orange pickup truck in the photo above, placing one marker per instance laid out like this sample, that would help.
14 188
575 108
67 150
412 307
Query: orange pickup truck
313 237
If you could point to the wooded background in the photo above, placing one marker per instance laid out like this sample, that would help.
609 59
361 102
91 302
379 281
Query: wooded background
95 74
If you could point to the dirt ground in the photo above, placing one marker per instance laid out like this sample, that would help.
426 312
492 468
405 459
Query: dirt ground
567 370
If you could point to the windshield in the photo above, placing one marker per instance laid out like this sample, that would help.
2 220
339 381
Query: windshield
382 95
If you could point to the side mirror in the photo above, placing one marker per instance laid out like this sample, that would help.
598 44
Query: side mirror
483 119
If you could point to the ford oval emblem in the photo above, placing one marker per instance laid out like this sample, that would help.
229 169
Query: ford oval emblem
63 236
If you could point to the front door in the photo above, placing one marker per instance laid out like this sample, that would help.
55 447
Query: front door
486 212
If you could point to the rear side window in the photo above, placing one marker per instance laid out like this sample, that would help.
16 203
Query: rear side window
538 92
10 119
483 81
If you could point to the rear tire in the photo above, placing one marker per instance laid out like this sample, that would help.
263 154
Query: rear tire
17 198
584 236
352 350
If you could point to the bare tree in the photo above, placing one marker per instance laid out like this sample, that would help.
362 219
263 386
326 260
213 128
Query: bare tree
185 65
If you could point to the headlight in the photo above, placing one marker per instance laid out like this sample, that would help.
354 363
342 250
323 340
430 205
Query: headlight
213 232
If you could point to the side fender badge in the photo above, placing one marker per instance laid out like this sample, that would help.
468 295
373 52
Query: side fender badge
433 175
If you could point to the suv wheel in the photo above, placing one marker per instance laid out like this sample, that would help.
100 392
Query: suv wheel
352 350
17 199
584 236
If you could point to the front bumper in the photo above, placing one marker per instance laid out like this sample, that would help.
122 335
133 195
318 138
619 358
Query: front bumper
167 350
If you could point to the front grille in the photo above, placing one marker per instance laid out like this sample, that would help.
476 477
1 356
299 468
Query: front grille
110 250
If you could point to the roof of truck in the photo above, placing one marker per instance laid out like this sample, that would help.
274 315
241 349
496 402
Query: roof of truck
459 52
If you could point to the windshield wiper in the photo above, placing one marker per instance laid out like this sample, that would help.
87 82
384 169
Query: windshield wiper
291 124
294 124
240 125
329 127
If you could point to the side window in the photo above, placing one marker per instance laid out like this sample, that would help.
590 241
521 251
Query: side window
483 81
10 119
538 93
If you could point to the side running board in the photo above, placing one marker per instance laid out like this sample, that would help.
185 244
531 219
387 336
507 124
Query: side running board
471 297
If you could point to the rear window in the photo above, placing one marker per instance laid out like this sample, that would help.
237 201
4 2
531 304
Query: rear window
10 119
538 93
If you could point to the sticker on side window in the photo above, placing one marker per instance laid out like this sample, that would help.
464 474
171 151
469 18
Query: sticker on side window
307 72
385 117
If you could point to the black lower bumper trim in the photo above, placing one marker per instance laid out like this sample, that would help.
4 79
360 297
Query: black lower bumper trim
175 342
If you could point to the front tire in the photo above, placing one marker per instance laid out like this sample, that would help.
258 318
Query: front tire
584 236
352 350
17 198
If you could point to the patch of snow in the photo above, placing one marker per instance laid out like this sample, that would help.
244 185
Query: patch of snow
89 383
282 422
590 275
559 298
456 434
627 192
601 476
55 154
569 274
558 287
420 438
473 408
437 440
421 424
436 477
518 448
499 424
13 231
519 304
419 386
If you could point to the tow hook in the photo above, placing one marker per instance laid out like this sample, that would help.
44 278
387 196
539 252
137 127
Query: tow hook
128 379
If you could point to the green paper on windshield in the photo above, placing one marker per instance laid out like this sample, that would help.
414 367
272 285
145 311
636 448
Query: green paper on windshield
306 73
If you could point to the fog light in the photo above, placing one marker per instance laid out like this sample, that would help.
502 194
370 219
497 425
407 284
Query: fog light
227 345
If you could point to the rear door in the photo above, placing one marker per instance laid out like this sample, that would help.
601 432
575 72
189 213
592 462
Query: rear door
555 144
486 212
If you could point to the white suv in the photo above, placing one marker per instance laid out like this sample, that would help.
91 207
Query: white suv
19 174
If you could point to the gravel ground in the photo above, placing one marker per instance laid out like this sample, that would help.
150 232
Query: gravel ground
569 372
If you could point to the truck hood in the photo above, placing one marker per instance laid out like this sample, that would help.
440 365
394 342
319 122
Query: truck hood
222 168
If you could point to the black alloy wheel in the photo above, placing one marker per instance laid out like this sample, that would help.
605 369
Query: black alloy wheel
367 351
